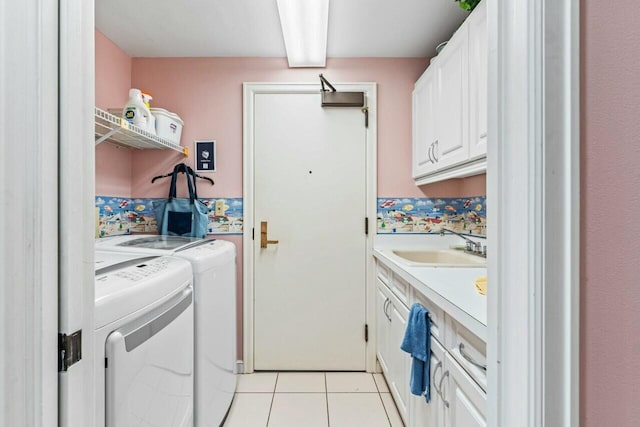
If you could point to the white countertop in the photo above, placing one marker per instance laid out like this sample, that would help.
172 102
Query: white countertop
451 288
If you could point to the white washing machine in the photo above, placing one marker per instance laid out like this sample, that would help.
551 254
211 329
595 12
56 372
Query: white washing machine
214 269
144 333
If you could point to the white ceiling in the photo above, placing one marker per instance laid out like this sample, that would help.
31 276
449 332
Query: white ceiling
201 28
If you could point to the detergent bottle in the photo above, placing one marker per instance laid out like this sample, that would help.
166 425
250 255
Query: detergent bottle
135 112
151 123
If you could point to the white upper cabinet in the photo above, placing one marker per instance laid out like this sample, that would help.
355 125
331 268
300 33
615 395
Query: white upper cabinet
450 107
478 66
424 125
452 111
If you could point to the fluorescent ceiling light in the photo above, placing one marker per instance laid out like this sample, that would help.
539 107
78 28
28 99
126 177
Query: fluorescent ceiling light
304 27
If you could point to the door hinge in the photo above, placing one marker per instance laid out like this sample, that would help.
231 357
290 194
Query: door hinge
69 350
366 333
365 110
366 225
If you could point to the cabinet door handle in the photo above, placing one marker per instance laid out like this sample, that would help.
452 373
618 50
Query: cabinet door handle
445 375
430 153
435 374
435 150
469 359
385 308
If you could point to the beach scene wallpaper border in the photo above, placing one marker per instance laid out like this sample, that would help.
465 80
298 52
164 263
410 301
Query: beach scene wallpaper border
467 215
400 215
121 215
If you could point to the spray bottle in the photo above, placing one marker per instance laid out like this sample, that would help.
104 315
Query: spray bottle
151 123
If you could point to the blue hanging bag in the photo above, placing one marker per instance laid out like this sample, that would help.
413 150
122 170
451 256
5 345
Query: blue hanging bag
182 217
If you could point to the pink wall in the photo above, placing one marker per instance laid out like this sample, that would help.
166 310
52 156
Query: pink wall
463 187
207 92
610 288
113 80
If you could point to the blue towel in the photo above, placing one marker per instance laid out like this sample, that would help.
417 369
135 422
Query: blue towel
417 343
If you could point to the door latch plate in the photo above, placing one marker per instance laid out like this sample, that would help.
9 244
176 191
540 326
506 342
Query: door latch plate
69 350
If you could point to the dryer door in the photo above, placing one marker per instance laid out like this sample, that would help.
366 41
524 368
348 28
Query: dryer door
149 375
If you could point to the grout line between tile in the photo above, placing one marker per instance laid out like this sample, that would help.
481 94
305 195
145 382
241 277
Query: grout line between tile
326 398
385 409
354 392
380 396
273 395
299 392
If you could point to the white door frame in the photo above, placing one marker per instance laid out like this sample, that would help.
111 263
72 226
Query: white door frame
76 225
250 90
533 227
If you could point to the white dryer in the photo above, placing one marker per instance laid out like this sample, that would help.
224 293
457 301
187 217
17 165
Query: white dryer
143 340
214 268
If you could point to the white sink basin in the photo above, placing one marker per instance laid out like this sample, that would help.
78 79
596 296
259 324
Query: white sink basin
438 258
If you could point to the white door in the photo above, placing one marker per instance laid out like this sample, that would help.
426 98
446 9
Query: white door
424 124
478 81
452 144
310 194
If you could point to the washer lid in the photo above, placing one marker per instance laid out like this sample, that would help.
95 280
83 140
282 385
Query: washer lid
213 254
167 244
107 260
133 284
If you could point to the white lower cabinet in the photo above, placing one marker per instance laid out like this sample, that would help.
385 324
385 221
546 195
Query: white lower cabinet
457 399
382 327
391 322
465 401
432 413
400 364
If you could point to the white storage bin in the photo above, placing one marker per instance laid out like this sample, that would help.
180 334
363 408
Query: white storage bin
168 124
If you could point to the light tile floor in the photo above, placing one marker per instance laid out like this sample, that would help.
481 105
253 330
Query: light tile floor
310 399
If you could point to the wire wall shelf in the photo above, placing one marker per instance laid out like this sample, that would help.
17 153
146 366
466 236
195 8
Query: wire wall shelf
118 131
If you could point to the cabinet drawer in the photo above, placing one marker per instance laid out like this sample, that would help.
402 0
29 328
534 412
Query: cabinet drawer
468 350
437 316
382 272
400 288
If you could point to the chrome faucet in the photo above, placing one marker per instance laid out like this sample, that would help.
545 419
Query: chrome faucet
472 246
